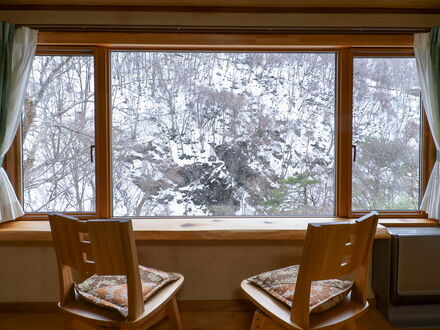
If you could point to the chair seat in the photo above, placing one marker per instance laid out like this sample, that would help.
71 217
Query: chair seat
102 316
280 312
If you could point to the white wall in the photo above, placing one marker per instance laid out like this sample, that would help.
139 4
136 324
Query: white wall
212 270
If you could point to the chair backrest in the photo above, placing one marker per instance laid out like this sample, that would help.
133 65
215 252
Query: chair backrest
104 247
330 251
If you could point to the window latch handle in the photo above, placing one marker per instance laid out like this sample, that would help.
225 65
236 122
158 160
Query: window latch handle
92 149
354 152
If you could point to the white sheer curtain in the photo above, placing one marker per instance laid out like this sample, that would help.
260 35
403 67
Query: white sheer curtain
23 51
427 68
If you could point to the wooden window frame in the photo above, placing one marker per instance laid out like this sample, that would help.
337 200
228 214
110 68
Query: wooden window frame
427 147
345 46
14 155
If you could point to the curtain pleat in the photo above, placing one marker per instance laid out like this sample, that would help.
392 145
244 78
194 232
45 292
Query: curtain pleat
7 31
17 65
427 53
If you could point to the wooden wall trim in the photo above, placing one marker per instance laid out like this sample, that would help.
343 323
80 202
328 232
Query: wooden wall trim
224 41
223 29
224 9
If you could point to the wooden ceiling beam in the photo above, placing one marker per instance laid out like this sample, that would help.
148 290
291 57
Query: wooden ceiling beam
427 4
220 41
231 9
223 29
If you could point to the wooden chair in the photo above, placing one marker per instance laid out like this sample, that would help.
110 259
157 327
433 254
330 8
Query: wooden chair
330 251
106 247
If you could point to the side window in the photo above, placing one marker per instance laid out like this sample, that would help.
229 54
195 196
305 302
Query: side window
58 133
386 134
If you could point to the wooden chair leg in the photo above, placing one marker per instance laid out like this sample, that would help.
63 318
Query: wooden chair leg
173 314
258 320
263 322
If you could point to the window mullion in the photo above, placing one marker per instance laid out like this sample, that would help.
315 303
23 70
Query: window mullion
344 132
103 135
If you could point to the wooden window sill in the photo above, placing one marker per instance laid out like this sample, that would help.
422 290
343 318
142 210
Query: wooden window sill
203 229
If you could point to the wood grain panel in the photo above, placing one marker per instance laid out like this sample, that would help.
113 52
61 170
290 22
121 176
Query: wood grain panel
214 320
201 229
224 41
241 3
103 135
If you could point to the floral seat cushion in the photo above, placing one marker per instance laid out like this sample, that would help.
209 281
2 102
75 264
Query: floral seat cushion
111 290
281 283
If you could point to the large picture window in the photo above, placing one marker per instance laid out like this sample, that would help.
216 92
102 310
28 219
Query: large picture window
210 130
223 133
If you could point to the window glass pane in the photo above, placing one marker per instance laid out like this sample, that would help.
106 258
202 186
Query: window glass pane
223 133
58 131
386 133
